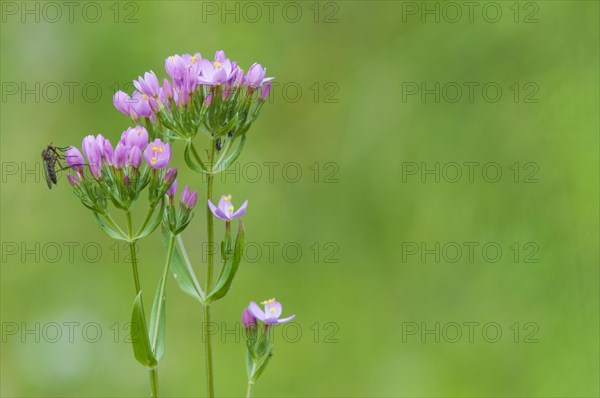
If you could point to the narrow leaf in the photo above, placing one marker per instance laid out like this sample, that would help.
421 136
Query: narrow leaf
261 365
190 162
182 269
139 335
158 320
230 267
108 230
154 224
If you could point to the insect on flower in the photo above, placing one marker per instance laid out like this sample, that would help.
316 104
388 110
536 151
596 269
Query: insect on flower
51 157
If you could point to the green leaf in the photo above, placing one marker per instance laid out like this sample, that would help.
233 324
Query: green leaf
227 128
230 267
261 365
148 229
190 162
182 269
231 158
158 319
108 230
139 335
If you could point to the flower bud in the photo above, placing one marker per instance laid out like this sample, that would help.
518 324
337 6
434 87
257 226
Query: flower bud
265 91
135 136
134 157
188 198
239 78
172 190
248 320
122 102
120 155
141 104
148 84
170 175
74 159
208 99
167 89
73 180
255 75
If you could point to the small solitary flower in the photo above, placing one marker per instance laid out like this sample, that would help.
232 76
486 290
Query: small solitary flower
225 210
271 313
158 154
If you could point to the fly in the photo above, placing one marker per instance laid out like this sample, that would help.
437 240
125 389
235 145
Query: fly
51 158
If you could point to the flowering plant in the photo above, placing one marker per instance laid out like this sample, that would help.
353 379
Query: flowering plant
221 101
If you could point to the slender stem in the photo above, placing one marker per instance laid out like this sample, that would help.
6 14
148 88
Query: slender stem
154 382
209 272
249 389
138 289
134 267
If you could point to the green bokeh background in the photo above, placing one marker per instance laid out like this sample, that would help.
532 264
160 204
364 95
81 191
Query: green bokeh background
371 294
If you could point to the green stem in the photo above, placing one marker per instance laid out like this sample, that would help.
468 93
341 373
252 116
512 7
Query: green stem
249 389
138 289
136 276
154 382
209 272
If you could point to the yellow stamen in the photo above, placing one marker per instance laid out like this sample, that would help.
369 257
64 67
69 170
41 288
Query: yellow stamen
269 301
194 59
139 131
227 197
156 148
144 97
153 160
230 209
217 64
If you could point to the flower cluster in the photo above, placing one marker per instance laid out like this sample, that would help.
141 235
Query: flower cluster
118 174
196 83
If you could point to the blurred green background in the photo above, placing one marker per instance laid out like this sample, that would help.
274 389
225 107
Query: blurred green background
367 309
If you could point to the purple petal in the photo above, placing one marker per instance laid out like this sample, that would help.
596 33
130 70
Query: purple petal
212 207
289 318
241 211
256 311
225 203
273 309
224 216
